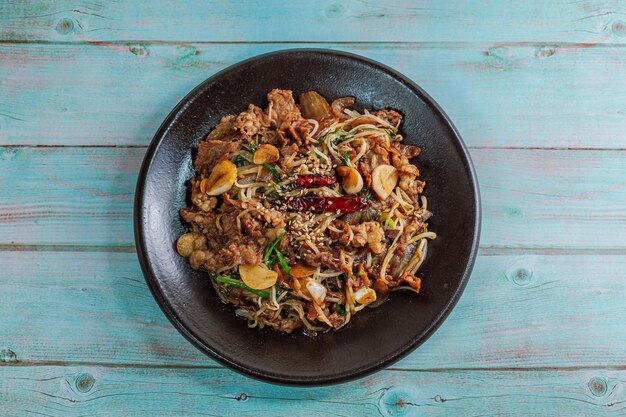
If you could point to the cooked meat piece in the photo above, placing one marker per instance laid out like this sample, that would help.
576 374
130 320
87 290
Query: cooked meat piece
329 260
415 221
284 113
289 150
371 234
288 154
212 151
228 222
366 173
205 220
272 233
411 185
251 122
204 258
225 243
244 250
344 235
282 109
390 116
354 282
412 280
249 224
410 151
399 160
200 199
311 313
345 263
375 156
224 130
299 129
407 171
288 324
336 320
379 150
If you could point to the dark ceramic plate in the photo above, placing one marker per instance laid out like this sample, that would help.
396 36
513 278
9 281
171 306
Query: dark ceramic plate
373 339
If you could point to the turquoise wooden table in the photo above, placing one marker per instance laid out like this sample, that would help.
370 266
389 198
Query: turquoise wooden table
536 88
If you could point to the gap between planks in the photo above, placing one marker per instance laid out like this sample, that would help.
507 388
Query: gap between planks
338 42
391 368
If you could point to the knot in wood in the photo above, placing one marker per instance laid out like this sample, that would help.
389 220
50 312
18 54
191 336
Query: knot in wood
84 382
597 386
65 26
7 356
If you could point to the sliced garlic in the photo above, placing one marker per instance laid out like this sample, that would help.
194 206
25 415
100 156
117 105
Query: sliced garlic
266 154
185 244
317 291
300 270
365 295
257 277
352 181
384 180
222 178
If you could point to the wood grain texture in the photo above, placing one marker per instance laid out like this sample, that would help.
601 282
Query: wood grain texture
301 20
93 391
533 87
530 198
498 95
518 311
87 199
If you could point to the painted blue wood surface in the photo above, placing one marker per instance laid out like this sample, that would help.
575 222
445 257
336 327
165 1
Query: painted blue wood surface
73 391
498 95
536 88
326 20
518 311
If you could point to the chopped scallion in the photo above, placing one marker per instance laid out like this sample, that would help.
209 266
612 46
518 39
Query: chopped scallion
340 309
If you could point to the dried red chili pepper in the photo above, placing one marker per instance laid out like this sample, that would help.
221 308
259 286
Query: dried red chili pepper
332 204
315 180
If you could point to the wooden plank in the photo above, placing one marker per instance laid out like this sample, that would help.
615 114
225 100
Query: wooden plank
300 20
68 196
517 311
531 198
88 390
527 95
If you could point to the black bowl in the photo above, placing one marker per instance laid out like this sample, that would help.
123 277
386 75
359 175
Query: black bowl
373 339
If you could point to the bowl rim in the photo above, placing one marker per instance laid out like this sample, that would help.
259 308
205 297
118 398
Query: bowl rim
150 276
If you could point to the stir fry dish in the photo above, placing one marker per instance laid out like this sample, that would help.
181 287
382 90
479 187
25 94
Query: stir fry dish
303 214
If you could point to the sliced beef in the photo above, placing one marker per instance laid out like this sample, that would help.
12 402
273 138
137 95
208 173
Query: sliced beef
251 122
410 151
225 129
288 324
284 113
369 233
376 155
390 116
336 320
282 109
407 172
212 151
